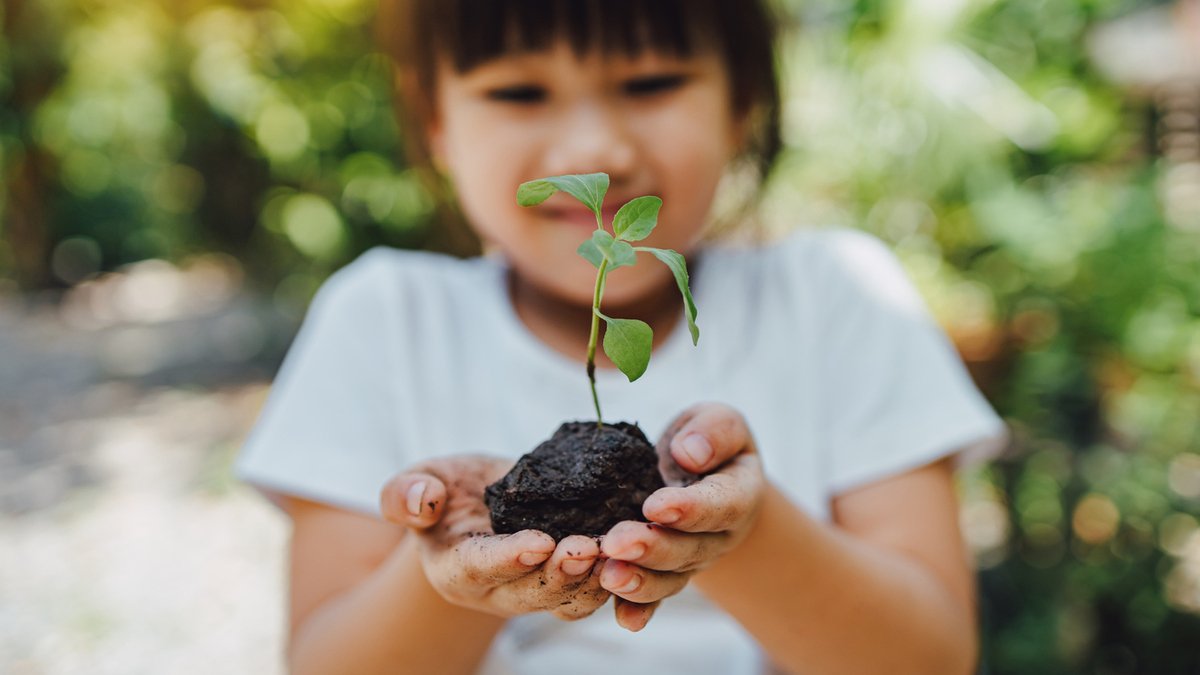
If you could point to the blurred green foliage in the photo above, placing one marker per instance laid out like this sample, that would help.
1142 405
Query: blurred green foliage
1025 194
136 129
1023 191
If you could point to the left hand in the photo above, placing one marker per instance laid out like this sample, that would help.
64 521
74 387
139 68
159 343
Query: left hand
694 522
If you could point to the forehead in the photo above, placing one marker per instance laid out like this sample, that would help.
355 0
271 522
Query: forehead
467 33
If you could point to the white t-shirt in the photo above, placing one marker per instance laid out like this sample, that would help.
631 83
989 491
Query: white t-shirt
820 341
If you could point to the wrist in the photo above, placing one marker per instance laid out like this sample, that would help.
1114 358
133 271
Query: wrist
747 556
394 619
408 564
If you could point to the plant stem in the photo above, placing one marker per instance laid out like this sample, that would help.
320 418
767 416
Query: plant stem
591 352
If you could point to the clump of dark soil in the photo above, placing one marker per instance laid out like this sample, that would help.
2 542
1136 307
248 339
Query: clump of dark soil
584 480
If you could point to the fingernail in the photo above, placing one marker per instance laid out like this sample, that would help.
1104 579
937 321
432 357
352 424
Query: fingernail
576 567
667 517
631 618
629 586
416 494
532 558
696 447
633 552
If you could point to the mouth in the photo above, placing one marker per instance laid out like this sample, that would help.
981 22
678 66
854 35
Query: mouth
581 217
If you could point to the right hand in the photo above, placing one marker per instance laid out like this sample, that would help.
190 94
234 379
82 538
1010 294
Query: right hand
441 502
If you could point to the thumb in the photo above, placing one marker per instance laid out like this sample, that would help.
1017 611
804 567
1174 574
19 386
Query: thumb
706 436
416 500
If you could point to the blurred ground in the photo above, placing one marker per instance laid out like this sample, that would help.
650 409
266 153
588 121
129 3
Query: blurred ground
125 545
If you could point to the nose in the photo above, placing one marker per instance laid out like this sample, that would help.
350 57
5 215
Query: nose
592 137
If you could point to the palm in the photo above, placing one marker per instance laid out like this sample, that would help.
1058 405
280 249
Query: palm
465 514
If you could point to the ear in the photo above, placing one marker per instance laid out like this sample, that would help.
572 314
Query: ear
404 81
741 126
436 142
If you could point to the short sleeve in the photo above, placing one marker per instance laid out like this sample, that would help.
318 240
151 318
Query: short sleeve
897 394
327 430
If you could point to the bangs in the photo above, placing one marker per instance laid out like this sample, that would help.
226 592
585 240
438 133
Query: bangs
418 35
471 32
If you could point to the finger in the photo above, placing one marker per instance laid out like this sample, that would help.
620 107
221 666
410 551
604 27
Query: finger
662 548
633 616
581 604
572 560
414 499
491 560
533 593
707 435
720 502
638 584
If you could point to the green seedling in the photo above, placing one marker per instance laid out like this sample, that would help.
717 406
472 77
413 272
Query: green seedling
627 342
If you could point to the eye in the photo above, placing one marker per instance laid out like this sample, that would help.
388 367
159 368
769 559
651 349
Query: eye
653 84
521 93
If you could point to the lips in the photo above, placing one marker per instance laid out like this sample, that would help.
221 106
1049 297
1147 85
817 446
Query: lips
582 216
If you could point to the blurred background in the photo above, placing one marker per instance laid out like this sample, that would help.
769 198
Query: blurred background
180 177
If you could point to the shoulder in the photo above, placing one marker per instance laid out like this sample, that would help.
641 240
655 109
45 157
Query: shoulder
381 274
833 249
785 286
822 249
383 285
822 275
382 264
852 265
817 259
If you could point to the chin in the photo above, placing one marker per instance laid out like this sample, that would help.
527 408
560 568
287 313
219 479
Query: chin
629 290
571 289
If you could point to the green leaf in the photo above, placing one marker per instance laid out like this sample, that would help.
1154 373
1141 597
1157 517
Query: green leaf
622 255
628 343
618 253
591 252
678 266
588 188
637 218
534 192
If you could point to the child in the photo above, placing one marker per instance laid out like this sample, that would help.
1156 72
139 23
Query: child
823 540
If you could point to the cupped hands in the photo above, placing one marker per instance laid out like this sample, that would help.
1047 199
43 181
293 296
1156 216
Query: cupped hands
715 486
441 501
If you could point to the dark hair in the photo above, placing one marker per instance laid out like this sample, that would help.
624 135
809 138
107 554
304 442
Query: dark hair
417 33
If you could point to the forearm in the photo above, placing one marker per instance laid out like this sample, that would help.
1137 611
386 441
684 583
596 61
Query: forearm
392 622
822 602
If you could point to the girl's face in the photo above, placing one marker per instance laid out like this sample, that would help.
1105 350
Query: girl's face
657 124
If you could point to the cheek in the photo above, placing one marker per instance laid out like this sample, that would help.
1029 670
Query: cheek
471 156
689 188
485 168
691 149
